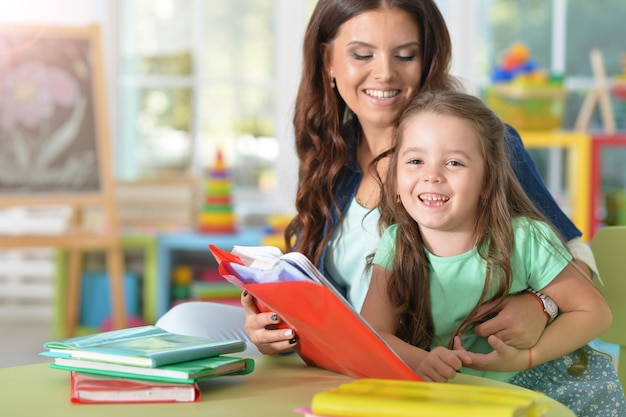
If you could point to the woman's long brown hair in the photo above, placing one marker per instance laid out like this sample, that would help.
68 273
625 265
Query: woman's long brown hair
320 112
503 199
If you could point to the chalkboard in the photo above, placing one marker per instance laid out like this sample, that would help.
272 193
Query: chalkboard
55 146
52 133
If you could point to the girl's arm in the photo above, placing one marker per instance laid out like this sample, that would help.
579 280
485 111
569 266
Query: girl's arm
438 365
584 315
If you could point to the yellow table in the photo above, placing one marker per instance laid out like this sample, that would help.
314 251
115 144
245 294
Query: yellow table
275 388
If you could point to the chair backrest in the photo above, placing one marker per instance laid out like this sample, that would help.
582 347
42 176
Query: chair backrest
609 249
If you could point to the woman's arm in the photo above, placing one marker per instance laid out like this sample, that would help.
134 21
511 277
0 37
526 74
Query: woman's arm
521 320
584 316
440 364
528 175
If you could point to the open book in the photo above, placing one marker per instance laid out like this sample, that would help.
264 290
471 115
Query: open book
331 334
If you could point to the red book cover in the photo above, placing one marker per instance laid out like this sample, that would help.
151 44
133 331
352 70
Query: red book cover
331 334
96 389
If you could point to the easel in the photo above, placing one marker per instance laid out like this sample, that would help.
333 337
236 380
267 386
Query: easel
598 95
76 240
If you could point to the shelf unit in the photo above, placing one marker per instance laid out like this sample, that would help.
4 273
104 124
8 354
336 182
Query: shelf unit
147 244
599 143
578 169
171 243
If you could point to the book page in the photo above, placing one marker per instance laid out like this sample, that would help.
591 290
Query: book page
260 257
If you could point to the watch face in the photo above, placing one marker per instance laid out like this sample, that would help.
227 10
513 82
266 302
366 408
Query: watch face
551 307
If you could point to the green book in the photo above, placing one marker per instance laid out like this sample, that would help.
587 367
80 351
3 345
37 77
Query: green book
184 372
146 346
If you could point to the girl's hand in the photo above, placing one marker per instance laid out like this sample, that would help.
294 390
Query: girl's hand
442 364
503 358
266 330
519 323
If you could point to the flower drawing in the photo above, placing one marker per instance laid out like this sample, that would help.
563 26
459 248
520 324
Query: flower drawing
30 92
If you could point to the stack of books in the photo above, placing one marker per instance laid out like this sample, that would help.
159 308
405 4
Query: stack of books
371 397
143 364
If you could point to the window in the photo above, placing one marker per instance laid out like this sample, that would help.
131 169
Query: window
559 33
198 76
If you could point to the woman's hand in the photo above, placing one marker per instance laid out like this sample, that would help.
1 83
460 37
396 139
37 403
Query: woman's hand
266 330
519 323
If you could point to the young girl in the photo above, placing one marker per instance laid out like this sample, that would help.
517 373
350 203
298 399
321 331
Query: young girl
466 233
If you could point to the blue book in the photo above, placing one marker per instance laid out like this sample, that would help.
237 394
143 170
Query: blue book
145 346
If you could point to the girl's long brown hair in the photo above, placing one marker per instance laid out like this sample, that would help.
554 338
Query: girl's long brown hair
320 112
503 199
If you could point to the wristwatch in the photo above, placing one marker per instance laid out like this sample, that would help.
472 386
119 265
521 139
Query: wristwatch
550 306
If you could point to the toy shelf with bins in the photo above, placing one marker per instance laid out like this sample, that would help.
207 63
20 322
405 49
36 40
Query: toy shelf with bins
161 252
577 170
173 246
608 174
147 272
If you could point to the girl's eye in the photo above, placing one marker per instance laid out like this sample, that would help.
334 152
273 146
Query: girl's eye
455 163
414 161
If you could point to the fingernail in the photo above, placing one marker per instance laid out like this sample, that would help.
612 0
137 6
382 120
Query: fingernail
245 293
274 317
292 341
288 333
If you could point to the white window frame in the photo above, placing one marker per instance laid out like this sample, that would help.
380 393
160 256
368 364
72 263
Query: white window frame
291 17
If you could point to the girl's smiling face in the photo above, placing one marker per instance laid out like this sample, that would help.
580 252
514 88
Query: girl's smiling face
440 172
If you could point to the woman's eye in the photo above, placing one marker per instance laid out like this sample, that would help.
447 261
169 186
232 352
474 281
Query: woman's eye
405 57
361 56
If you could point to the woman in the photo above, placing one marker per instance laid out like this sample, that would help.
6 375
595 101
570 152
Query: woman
363 62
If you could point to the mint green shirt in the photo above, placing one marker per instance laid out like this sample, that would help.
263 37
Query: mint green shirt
350 243
456 282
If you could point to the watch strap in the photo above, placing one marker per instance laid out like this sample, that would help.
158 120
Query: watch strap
540 297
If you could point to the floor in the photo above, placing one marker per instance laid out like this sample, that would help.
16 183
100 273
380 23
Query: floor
23 341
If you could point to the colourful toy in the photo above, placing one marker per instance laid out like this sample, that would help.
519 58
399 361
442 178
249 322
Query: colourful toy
619 82
182 279
274 232
217 213
518 66
524 95
182 275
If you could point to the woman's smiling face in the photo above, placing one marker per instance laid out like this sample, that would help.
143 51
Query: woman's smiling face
376 63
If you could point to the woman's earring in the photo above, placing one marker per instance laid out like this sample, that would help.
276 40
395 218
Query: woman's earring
332 83
398 200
